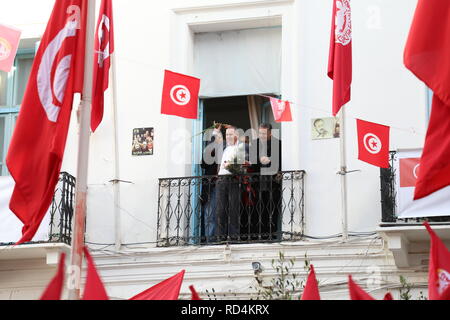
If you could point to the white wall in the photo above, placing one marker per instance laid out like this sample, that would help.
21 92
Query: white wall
151 37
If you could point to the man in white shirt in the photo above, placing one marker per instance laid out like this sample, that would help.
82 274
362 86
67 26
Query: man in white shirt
228 195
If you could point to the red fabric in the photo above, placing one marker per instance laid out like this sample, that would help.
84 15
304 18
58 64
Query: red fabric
37 146
9 43
195 295
388 296
94 288
427 55
311 291
104 47
281 110
356 293
373 143
409 170
168 289
55 287
438 269
435 165
180 95
340 58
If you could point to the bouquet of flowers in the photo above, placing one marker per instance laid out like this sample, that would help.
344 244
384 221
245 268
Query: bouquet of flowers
238 164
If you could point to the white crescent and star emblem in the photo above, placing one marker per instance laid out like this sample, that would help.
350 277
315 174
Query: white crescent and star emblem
180 95
416 171
281 106
103 54
443 280
343 31
5 49
45 85
372 143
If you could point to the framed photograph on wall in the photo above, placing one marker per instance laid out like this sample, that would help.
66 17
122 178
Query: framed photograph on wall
143 142
325 128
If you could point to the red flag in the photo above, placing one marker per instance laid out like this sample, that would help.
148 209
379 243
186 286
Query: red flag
55 287
94 288
281 110
104 48
427 55
409 171
438 269
311 291
37 146
356 292
168 289
180 95
373 143
195 295
9 43
388 296
340 58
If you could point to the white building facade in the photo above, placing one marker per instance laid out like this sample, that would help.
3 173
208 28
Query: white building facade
239 49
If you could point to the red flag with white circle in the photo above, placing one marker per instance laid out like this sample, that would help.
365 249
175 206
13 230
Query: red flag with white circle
281 110
57 74
180 95
409 172
438 268
340 56
9 43
104 48
373 143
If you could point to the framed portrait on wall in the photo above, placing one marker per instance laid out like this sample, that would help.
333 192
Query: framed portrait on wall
143 142
325 128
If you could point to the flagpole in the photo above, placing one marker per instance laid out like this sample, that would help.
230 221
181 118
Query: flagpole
343 174
79 218
116 182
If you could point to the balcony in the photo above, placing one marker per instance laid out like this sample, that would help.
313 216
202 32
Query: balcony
389 208
406 237
60 213
238 209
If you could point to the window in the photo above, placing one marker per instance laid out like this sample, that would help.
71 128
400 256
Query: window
12 89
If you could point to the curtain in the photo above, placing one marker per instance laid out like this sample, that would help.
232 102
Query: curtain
239 62
254 111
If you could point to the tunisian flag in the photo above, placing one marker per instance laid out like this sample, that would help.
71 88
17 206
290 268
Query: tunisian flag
409 171
168 289
180 95
373 143
104 48
37 146
427 55
9 43
94 288
55 287
340 58
356 292
281 110
311 291
194 294
438 269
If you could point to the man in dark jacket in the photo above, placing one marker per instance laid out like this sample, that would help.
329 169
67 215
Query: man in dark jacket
267 151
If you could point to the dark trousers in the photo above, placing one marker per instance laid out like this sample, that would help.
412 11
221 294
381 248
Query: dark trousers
227 208
265 222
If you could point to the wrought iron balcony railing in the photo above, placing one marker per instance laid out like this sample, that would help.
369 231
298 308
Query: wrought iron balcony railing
388 200
60 212
246 208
